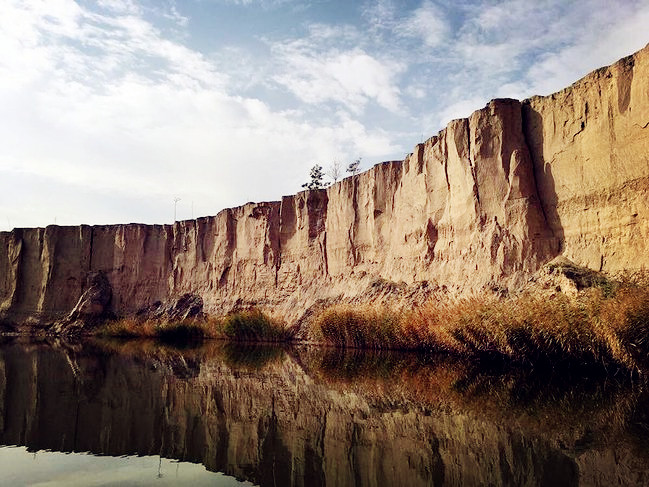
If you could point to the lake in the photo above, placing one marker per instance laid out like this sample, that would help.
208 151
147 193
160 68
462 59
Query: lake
108 412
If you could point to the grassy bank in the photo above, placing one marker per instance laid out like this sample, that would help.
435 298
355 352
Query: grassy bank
600 327
249 326
605 327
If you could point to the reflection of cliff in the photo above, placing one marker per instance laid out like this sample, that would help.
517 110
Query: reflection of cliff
276 424
482 204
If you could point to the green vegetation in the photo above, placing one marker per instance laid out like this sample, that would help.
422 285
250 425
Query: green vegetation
316 176
254 326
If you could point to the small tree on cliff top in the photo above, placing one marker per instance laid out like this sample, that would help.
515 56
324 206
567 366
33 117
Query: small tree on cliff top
316 175
354 167
334 171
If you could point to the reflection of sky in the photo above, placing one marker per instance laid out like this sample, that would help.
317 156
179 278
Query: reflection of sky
44 469
221 102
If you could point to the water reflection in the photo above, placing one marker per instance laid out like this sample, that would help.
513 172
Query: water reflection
312 417
21 467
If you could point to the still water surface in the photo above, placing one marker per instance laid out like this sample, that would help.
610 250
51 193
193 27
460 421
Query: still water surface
141 413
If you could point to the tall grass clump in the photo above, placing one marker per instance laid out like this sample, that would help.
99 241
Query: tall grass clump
359 327
527 329
253 325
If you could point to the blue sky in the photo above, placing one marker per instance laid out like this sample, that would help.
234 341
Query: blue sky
112 108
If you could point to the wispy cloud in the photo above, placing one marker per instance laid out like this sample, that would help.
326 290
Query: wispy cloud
427 23
266 4
352 77
518 48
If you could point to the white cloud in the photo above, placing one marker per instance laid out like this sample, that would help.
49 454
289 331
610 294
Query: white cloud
350 77
175 16
615 39
427 23
267 4
119 6
379 14
460 109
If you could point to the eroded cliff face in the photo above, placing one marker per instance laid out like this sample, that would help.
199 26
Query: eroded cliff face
480 206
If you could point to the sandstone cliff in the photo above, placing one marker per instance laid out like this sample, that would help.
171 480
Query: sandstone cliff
482 205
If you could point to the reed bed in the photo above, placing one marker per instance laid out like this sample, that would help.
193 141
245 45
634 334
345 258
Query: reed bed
599 328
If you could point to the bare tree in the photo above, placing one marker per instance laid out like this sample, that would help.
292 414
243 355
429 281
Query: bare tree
334 171
354 167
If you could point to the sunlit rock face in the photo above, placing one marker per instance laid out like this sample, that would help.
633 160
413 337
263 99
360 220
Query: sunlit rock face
269 418
482 205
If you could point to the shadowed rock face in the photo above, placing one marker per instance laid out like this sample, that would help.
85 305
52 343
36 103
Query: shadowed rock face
482 205
267 417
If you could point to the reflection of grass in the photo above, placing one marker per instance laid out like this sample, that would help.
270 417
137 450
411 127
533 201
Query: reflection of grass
598 329
183 332
251 325
254 357
353 364
525 398
177 356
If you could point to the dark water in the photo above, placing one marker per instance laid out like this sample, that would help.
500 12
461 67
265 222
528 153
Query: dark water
140 413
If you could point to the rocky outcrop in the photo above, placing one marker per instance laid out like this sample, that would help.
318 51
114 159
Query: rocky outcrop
480 206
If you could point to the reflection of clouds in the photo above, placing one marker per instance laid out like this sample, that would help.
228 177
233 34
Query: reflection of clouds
49 469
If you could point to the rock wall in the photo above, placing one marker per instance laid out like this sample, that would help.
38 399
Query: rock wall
482 205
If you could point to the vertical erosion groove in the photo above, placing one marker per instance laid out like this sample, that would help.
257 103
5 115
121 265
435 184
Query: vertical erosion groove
92 238
535 157
354 228
472 163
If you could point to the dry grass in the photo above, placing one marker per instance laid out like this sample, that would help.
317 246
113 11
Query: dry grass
600 328
128 328
359 327
253 326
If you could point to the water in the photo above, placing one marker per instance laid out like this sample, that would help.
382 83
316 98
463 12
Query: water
141 413
44 468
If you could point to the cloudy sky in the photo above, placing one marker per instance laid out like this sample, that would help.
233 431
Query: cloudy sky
111 108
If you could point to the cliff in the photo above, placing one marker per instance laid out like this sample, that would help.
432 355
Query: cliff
482 205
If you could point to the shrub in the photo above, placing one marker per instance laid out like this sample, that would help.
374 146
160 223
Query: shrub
254 325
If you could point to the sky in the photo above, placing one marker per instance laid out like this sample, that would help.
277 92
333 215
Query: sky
112 109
